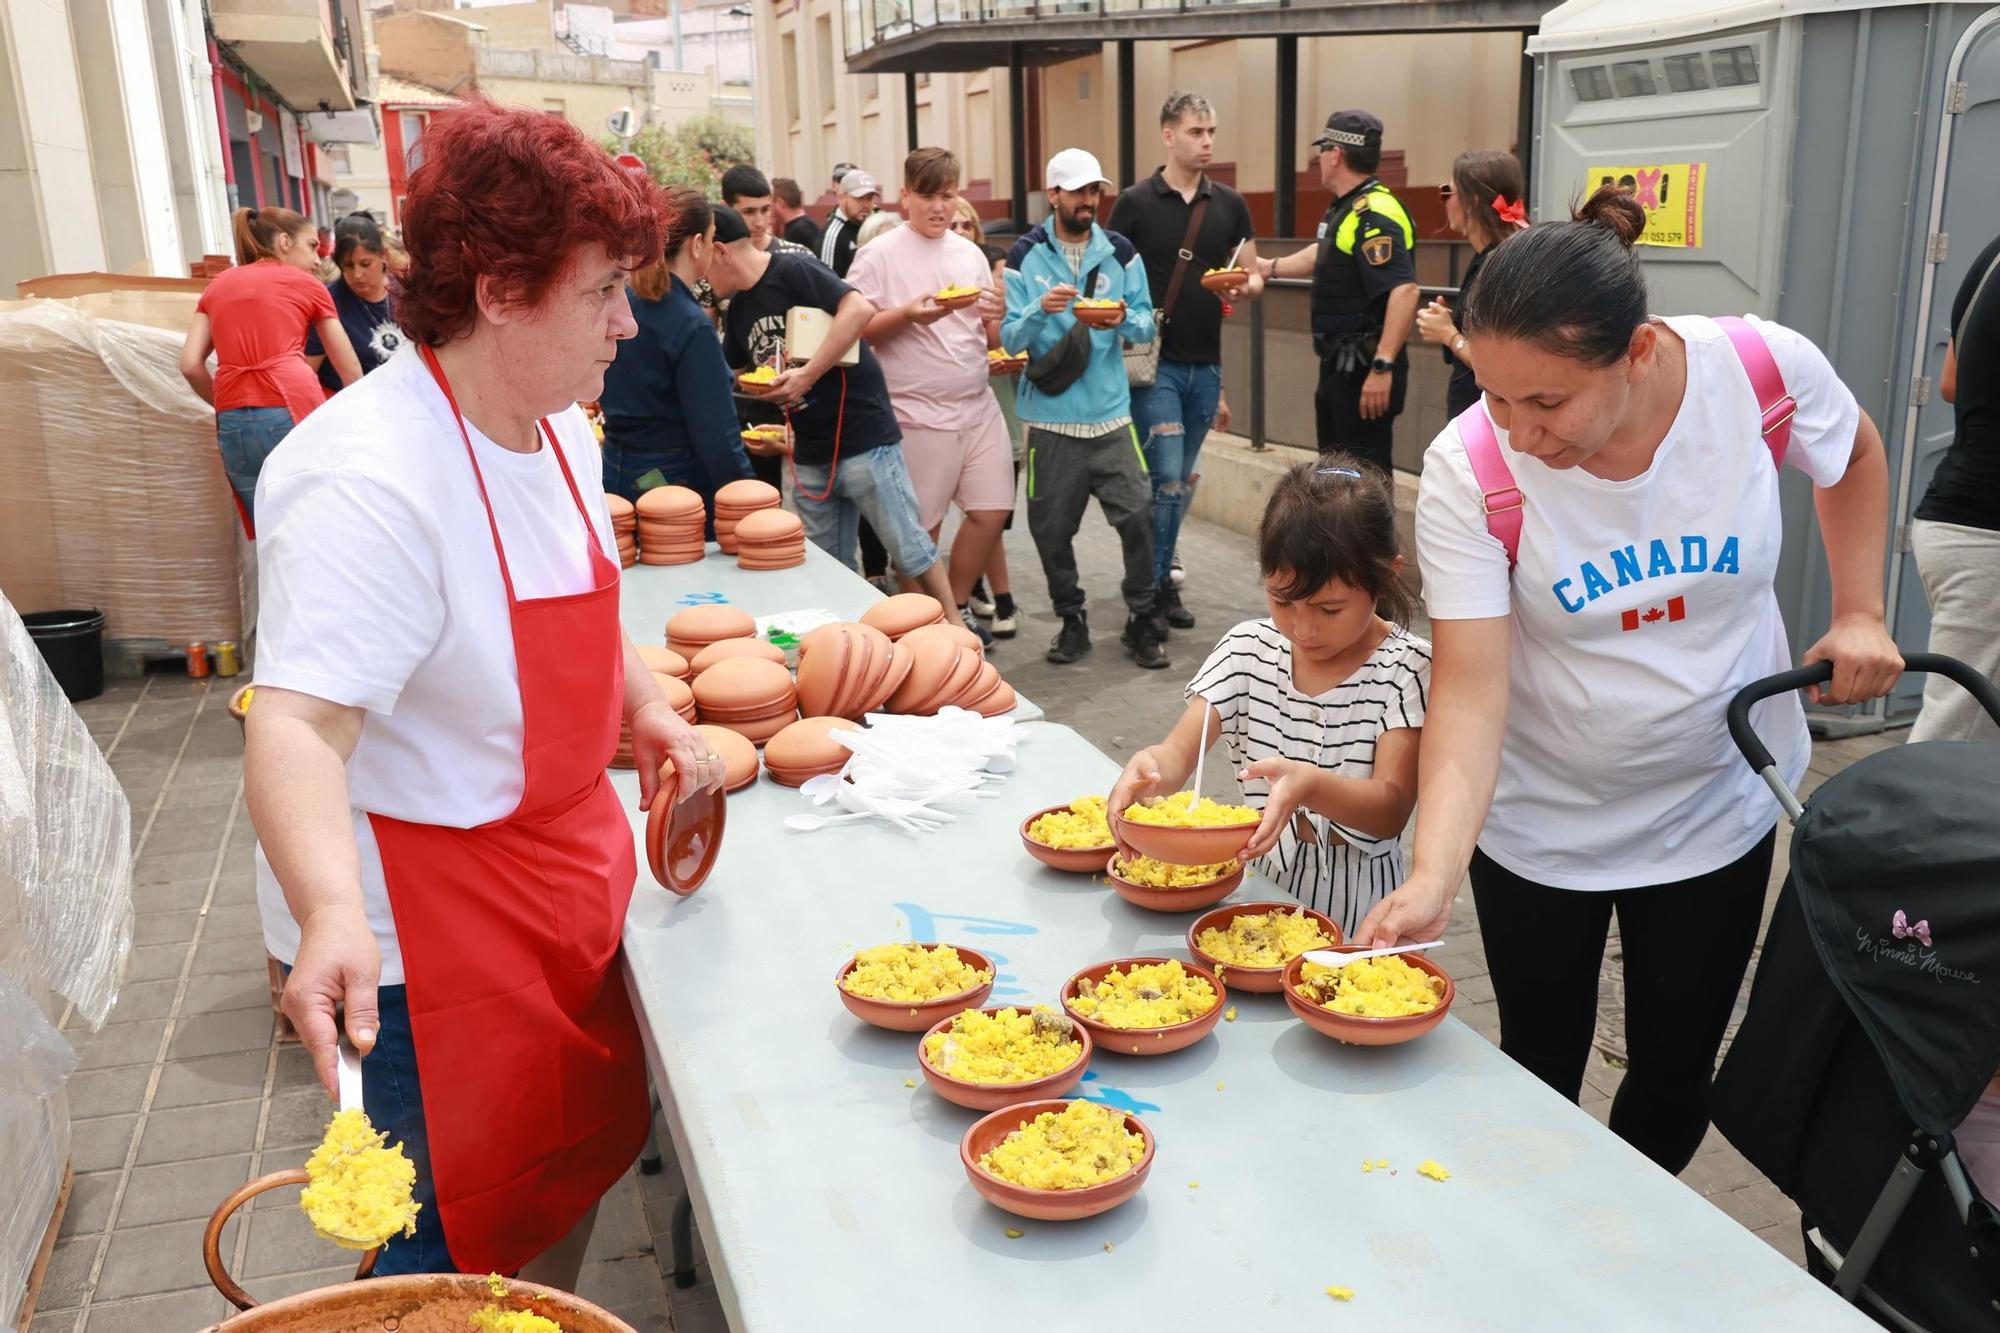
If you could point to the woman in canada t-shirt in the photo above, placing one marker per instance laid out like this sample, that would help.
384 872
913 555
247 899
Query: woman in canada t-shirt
1575 729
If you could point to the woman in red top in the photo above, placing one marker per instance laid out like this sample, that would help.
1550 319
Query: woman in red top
254 318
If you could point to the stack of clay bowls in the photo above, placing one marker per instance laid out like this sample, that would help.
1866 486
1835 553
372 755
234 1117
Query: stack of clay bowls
625 527
736 502
739 756
679 697
692 630
663 661
898 615
848 670
748 695
948 669
806 749
727 648
770 539
670 522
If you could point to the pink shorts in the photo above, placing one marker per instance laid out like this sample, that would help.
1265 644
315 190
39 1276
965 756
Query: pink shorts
973 467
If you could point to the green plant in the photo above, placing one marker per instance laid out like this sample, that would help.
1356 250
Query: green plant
694 153
727 142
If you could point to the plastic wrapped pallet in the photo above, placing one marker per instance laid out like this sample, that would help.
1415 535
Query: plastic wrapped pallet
34 1134
111 490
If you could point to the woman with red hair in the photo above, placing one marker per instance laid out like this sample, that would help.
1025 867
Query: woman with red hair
441 678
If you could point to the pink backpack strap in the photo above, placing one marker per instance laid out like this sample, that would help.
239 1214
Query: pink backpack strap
1766 381
1498 494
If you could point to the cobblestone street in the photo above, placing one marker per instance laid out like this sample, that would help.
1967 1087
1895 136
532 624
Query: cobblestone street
185 1094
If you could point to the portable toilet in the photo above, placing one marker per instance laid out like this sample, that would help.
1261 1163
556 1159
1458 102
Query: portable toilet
1833 165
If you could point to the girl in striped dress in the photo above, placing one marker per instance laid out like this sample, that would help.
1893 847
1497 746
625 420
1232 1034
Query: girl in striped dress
1320 703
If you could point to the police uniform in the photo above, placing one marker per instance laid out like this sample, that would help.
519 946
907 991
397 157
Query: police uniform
1364 254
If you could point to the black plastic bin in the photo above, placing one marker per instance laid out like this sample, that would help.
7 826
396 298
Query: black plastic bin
72 643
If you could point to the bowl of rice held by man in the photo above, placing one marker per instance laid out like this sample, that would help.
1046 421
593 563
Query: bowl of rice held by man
1184 829
1375 1002
1074 837
1057 1161
1248 944
1145 1006
909 987
987 1058
1162 886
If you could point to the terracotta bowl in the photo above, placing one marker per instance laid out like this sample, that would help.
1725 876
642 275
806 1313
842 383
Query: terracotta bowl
663 661
741 496
238 709
959 302
418 1301
1145 1041
1100 317
755 388
1080 860
682 840
1045 1205
916 1017
726 648
1006 365
1368 1031
1182 846
739 756
1226 279
1192 898
1257 980
898 615
992 1096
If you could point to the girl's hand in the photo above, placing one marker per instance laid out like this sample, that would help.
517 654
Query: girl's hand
1290 785
1417 911
1434 323
1866 661
1141 778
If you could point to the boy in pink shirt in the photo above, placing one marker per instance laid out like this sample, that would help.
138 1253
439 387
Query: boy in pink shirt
934 359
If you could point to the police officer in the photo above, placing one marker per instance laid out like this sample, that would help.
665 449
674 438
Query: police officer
1364 292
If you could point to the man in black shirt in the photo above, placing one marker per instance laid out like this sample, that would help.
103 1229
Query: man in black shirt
1174 415
1364 292
1956 536
847 456
859 196
795 224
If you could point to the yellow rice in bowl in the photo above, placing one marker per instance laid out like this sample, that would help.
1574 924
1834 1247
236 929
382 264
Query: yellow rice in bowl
1082 1145
358 1190
1152 995
1081 827
1371 988
1010 1046
1166 875
1186 810
1263 939
493 1319
912 974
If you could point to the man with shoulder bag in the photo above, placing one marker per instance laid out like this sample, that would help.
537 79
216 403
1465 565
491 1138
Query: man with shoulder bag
1074 291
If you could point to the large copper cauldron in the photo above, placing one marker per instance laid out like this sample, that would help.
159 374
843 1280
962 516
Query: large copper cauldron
418 1303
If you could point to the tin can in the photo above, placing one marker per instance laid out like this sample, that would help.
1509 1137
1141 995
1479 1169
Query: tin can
226 663
197 655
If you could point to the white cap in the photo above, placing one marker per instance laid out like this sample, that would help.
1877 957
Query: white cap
859 184
1074 168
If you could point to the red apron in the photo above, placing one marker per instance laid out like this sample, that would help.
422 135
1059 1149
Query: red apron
533 1077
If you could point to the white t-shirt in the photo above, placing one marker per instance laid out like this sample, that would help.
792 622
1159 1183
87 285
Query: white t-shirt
1640 607
381 591
1248 680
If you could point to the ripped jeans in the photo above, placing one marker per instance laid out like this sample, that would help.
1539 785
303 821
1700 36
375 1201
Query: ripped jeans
1172 419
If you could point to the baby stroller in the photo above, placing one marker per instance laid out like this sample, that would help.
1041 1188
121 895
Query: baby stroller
1874 1021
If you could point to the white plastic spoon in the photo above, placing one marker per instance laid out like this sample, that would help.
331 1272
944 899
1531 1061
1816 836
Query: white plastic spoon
1327 958
1201 748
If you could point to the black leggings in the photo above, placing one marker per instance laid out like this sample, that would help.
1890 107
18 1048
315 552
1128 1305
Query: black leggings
1686 946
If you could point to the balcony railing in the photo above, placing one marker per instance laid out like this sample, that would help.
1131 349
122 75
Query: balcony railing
557 67
867 22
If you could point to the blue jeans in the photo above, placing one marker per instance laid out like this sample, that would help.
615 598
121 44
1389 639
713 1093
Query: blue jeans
395 1106
246 436
876 486
1173 418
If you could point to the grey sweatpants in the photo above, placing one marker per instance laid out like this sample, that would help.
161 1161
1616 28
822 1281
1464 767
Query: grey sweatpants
1063 473
1961 572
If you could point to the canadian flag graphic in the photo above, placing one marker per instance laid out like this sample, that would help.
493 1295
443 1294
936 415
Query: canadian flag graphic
1677 609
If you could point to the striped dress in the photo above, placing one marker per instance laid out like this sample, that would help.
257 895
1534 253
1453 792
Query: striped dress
1248 680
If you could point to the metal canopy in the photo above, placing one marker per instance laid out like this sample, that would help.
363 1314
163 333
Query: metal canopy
1047 33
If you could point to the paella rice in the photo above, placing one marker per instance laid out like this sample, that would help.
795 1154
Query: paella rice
1371 988
1083 1144
358 1190
1081 827
912 973
1186 810
1263 939
1007 1046
1166 875
1151 995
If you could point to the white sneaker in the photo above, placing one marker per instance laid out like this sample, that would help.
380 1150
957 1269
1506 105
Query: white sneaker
1003 627
981 604
1175 574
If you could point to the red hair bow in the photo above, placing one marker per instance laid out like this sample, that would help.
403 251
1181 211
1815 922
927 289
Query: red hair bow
1515 214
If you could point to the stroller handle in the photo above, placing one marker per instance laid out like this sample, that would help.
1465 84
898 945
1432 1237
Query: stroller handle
1752 745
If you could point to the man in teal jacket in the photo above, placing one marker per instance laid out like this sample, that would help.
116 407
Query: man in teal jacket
1080 439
